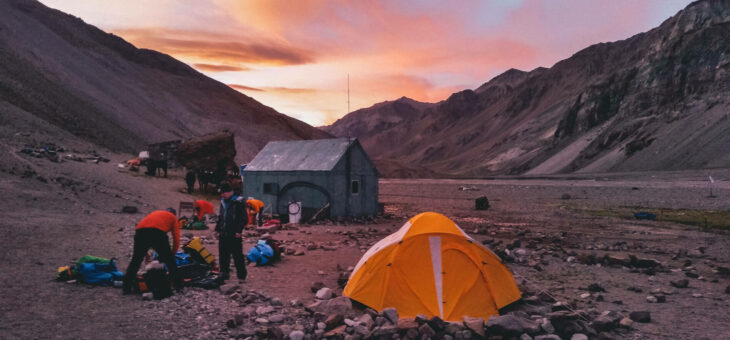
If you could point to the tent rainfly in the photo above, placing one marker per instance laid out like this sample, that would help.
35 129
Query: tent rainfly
431 267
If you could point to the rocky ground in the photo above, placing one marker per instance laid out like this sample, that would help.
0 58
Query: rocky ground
581 274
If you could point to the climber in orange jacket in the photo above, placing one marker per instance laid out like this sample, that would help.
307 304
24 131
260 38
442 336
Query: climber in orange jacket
255 211
151 232
202 207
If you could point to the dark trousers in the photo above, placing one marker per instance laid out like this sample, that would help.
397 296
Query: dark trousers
231 246
154 238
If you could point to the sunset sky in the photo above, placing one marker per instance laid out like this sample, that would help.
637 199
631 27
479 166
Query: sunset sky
295 55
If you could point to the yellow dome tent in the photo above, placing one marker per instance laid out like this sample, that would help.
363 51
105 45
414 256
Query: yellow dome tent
430 266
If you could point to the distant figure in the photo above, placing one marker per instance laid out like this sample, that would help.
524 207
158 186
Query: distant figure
190 181
255 211
152 233
155 167
229 230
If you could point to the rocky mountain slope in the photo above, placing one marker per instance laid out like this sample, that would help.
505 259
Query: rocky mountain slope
659 100
94 85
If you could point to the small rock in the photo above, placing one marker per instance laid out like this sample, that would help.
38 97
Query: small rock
595 287
276 302
147 296
640 316
231 323
277 318
651 299
296 335
426 331
263 310
262 321
325 294
407 323
626 323
579 336
547 326
336 332
680 283
385 331
697 295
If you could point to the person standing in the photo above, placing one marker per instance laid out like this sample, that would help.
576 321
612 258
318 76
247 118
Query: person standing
151 232
232 219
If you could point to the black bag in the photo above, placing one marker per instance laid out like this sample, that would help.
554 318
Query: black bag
274 244
158 284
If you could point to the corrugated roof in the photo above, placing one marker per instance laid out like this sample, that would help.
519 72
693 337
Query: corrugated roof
300 155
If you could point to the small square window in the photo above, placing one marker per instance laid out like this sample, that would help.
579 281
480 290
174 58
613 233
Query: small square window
355 187
271 188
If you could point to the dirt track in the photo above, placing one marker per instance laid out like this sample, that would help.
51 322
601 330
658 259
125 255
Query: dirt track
47 224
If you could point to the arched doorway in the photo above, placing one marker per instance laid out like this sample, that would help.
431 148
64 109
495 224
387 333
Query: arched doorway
312 196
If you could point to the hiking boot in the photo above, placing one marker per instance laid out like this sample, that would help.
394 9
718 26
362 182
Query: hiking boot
225 276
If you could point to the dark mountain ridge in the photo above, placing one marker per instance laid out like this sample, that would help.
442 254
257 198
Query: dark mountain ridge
656 101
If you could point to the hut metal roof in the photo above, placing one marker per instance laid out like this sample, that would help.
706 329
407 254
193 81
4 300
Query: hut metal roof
300 155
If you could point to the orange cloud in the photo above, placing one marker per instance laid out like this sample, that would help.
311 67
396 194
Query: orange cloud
244 88
218 68
218 47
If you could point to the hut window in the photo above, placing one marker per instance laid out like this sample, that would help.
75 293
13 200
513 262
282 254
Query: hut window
355 187
270 188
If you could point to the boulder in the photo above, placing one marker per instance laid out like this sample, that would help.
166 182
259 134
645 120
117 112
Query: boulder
453 328
617 260
336 332
547 337
476 325
506 325
640 316
339 305
606 321
334 320
406 324
437 324
426 331
391 315
385 331
366 320
595 287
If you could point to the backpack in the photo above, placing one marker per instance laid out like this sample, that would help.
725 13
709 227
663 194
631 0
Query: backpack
157 282
103 274
261 253
276 247
196 249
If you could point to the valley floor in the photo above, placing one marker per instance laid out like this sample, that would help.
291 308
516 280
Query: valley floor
57 212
